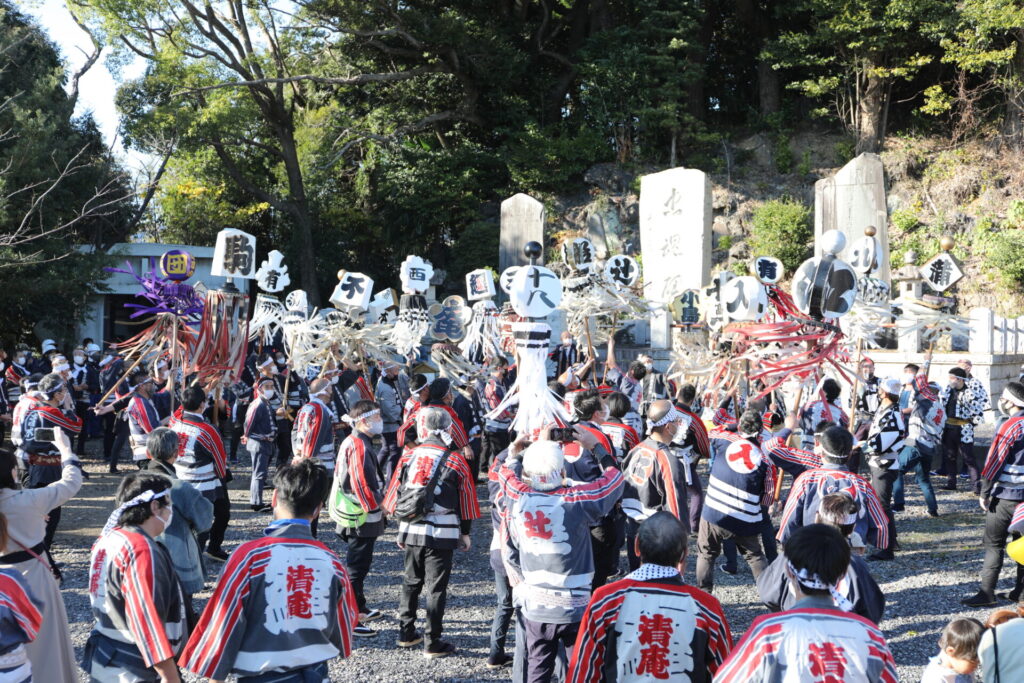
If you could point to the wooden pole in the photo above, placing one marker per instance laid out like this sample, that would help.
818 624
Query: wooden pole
284 399
796 409
856 388
122 378
174 361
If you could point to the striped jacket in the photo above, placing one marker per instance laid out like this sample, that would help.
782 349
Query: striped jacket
1017 521
815 412
359 475
623 439
655 480
313 433
1003 474
459 437
812 642
142 419
201 459
42 457
548 553
20 621
650 629
813 485
14 374
260 421
283 603
24 404
137 605
857 586
927 416
455 503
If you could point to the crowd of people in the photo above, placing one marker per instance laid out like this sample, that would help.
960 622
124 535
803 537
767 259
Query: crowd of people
592 520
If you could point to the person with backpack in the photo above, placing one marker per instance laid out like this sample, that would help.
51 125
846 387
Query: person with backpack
433 497
359 483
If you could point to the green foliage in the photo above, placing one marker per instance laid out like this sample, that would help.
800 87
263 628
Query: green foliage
783 154
53 170
1004 252
475 247
1015 214
543 160
804 167
725 242
905 220
844 150
782 228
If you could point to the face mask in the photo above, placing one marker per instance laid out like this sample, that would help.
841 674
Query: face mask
334 380
20 360
170 516
908 378
269 394
280 361
80 360
376 427
1006 407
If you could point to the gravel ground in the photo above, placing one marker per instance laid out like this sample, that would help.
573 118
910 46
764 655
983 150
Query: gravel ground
937 566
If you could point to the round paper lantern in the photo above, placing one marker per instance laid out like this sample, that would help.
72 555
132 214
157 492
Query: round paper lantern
833 242
824 287
744 298
535 291
177 265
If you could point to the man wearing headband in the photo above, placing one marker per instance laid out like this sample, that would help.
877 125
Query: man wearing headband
965 402
202 463
1002 489
28 397
833 446
430 543
137 602
267 368
741 486
691 443
629 382
389 397
656 477
15 372
859 591
259 435
139 413
111 370
357 474
882 447
420 396
313 431
814 636
653 600
283 607
548 551
42 458
84 381
925 421
823 408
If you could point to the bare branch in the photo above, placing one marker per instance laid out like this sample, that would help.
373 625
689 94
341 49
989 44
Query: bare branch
90 57
361 79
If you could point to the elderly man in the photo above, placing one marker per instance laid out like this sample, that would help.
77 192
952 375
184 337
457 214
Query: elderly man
615 637
429 542
656 478
548 554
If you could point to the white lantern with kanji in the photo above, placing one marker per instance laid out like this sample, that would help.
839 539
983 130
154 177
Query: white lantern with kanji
234 255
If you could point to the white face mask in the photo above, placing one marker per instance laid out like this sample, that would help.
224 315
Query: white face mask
908 378
167 521
80 360
20 360
269 394
280 361
376 427
334 380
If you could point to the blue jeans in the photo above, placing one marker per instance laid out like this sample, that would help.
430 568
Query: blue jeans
918 460
502 614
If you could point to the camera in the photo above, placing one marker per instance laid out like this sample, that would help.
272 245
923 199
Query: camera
562 434
45 434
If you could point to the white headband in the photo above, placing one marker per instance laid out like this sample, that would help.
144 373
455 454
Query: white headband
61 368
814 581
1007 396
442 433
265 363
365 416
143 498
545 482
672 415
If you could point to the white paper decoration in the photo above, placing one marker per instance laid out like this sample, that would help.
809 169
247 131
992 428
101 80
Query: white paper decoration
354 289
768 269
535 292
744 298
578 254
273 274
415 274
622 271
234 255
479 284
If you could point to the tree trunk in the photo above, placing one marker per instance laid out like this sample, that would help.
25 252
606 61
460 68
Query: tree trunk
1013 118
298 207
870 106
769 89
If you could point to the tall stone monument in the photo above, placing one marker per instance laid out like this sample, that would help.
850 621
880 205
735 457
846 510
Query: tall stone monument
675 240
851 200
522 221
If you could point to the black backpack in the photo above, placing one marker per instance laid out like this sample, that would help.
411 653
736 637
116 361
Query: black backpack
414 504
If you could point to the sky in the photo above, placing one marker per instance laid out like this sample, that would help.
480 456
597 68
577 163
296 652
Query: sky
98 87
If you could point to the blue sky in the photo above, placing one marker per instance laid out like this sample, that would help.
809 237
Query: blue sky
98 86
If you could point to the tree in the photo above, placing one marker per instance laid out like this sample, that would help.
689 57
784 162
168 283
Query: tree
60 189
849 53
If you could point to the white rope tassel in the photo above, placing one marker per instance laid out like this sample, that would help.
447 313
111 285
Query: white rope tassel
538 405
412 324
266 320
483 336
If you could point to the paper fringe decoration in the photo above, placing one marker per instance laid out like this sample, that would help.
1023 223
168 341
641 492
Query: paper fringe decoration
590 295
691 356
164 295
223 334
412 324
452 365
267 319
159 337
538 405
930 322
506 319
483 333
866 322
319 340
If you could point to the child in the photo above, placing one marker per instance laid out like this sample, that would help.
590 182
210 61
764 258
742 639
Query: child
958 653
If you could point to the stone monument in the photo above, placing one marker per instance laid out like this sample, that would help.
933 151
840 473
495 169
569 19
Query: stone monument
522 221
675 240
850 201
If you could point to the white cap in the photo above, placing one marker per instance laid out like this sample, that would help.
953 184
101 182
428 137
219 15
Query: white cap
892 386
49 345
92 348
